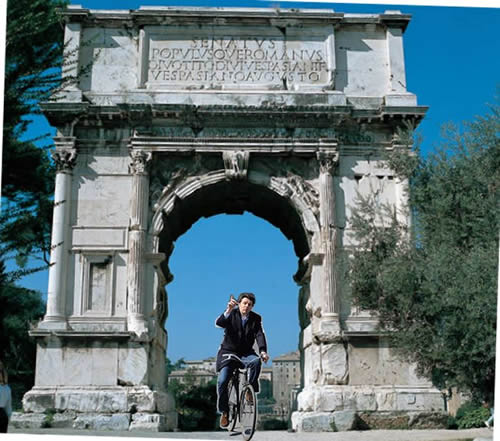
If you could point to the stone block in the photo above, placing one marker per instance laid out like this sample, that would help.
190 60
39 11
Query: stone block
112 401
63 420
102 422
334 363
133 363
384 420
20 420
328 400
360 400
313 421
92 401
344 420
35 401
428 420
306 399
386 399
149 422
412 400
141 400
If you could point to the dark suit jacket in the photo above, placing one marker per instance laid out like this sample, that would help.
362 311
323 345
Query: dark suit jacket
239 340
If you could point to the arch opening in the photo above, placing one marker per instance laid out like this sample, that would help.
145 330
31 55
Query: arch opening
234 197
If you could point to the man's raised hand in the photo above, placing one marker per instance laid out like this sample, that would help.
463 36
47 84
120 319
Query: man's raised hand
231 304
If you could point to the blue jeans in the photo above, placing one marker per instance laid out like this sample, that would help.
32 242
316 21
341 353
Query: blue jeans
253 363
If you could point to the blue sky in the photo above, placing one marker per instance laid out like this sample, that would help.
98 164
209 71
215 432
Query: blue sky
452 65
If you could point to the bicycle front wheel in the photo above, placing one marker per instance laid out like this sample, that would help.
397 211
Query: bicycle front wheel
248 412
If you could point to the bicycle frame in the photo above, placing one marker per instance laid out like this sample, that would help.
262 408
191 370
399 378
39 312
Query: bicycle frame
241 409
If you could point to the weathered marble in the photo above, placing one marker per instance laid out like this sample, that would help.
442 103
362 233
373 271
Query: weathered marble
185 113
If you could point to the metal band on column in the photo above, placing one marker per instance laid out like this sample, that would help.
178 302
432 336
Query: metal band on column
137 240
64 157
328 161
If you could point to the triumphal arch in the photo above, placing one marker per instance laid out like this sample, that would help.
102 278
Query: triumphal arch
184 113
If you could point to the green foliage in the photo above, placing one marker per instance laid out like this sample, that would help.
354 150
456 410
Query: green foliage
471 415
19 308
48 420
434 284
170 367
34 49
196 404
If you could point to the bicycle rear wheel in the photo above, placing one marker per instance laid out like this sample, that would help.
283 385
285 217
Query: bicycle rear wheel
248 412
233 404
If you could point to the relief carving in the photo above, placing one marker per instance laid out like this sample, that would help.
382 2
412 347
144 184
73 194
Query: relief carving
304 190
236 164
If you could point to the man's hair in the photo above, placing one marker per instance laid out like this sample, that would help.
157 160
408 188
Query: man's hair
248 295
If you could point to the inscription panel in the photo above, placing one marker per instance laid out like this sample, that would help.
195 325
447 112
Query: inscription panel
238 58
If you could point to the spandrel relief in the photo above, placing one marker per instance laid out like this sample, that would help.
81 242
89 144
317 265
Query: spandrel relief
169 171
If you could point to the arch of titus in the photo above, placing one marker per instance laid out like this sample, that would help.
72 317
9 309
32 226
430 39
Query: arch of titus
184 113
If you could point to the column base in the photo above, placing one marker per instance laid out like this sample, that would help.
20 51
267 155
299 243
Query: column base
55 323
341 408
97 408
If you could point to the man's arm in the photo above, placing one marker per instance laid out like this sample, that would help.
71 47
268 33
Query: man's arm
222 320
260 337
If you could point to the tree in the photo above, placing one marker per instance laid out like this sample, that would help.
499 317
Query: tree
34 50
195 404
19 308
179 364
433 284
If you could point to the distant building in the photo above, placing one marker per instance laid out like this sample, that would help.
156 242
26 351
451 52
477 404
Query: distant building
286 381
197 371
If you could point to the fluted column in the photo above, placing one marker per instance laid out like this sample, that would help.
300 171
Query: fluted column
328 161
64 157
137 240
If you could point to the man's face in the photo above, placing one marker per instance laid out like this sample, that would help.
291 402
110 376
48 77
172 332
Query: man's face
245 305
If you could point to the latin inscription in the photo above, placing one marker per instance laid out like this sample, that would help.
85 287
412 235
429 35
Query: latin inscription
229 60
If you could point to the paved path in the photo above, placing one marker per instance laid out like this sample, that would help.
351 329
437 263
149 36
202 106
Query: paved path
369 435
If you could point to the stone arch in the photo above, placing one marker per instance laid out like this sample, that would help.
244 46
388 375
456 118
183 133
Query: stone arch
204 195
298 223
296 215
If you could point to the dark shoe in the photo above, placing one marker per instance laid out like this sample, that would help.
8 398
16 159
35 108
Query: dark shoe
249 397
224 421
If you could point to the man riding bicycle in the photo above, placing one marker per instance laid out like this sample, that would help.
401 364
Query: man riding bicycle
242 328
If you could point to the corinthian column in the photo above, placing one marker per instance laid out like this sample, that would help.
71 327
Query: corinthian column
137 240
328 161
64 157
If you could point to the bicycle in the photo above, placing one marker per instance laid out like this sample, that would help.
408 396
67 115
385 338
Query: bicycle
242 401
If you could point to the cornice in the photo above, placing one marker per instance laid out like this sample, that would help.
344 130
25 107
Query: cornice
201 116
154 15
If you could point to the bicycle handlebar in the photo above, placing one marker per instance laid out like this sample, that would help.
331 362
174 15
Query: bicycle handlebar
238 358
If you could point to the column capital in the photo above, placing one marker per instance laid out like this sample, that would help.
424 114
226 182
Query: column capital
141 161
328 160
65 159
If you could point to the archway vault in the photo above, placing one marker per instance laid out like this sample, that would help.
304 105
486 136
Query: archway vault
272 198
